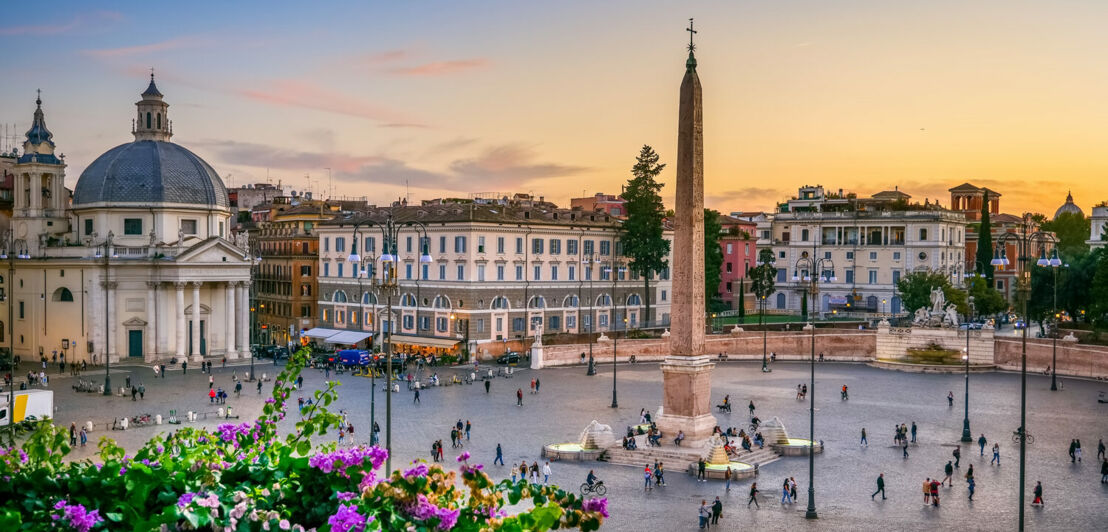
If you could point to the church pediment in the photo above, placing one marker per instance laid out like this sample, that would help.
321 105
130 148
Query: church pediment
135 322
212 250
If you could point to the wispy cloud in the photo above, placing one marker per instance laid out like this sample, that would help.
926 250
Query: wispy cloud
296 93
75 23
267 156
742 198
143 49
440 68
380 58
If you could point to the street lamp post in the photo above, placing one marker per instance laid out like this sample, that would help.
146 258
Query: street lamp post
10 254
762 323
616 265
760 293
811 512
966 435
1054 263
1024 238
390 235
108 254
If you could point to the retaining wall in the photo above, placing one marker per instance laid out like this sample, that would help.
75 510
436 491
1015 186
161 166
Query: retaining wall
1073 359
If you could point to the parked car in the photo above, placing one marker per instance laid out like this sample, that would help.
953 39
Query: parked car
280 353
510 357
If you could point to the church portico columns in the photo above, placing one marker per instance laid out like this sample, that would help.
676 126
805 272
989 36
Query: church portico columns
110 287
242 306
151 322
180 312
230 319
196 356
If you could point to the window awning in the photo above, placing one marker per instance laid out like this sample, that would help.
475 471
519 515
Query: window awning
347 337
426 341
321 332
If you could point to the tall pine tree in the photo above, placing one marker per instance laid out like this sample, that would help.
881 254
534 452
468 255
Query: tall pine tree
985 242
642 238
713 260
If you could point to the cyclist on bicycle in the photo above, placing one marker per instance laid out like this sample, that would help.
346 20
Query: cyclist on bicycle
591 478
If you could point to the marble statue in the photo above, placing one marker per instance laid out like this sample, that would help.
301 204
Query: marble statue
950 317
937 300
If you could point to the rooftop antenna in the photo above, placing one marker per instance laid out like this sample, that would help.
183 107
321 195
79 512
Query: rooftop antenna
407 191
330 184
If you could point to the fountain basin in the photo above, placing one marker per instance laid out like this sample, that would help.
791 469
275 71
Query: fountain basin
570 451
739 470
797 447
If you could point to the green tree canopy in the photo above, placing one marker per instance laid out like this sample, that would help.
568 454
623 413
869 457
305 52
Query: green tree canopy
985 242
713 260
763 275
987 300
1073 230
642 237
1099 302
915 291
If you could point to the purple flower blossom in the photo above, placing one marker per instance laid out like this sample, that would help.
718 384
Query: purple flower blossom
185 499
599 505
347 519
464 456
424 510
420 470
343 458
345 495
79 518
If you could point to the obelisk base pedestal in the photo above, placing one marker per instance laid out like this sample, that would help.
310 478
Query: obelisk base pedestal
686 404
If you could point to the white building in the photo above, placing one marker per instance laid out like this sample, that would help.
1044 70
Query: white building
863 245
1098 225
492 274
138 267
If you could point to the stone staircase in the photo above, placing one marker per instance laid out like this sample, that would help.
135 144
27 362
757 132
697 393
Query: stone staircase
680 458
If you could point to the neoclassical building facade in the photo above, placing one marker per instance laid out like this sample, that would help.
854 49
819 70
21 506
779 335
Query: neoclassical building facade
139 267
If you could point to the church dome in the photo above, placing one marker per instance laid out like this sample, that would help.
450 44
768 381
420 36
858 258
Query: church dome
147 172
1068 206
151 169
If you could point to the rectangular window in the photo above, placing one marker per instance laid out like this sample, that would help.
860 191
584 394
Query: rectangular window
459 244
442 272
571 247
555 246
408 244
572 272
326 244
849 255
480 325
500 273
873 277
370 244
605 247
21 310
555 323
781 272
536 246
305 270
480 244
517 324
519 245
571 322
553 273
728 267
409 321
461 272
896 276
728 287
326 269
588 273
519 273
88 227
605 273
873 255
827 255
730 248
664 295
424 323
426 270
132 226
188 227
538 274
896 255
850 277
480 272
587 247
500 244
407 271
442 244
603 321
586 321
340 269
340 246
305 311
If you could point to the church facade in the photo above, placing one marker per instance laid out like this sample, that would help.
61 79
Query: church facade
140 267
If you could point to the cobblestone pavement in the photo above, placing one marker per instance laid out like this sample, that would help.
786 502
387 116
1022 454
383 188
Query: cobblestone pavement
845 473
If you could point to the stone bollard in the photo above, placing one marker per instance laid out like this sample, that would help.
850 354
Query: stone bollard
123 423
158 419
220 412
88 426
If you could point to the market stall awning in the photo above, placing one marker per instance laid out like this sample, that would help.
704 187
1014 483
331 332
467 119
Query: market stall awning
426 341
321 332
347 337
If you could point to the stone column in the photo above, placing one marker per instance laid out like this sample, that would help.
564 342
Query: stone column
229 320
243 329
113 348
160 329
196 356
151 321
180 313
36 193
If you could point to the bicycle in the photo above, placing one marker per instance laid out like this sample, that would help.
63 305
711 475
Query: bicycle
597 488
1016 437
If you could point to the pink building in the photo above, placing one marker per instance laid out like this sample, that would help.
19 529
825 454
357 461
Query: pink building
611 204
739 255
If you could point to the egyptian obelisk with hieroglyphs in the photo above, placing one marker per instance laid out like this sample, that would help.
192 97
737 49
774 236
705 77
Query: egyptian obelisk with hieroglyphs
687 372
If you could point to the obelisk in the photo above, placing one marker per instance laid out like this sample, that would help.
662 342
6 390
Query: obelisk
687 372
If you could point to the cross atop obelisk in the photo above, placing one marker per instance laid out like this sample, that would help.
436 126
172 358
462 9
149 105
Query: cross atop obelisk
692 32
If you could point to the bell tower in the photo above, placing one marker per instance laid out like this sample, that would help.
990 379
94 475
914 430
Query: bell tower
152 122
39 194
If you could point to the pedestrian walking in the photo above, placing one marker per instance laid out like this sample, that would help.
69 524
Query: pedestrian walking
792 488
905 448
300 382
519 397
468 426
982 442
134 393
864 442
1100 450
717 510
701 470
1077 450
934 493
546 473
1104 471
532 391
950 398
957 456
704 513
751 407
753 496
1073 447
211 399
969 472
162 368
927 491
537 384
184 368
211 382
996 454
84 437
913 432
142 391
488 383
259 387
786 495
647 475
949 470
72 434
1038 500
972 485
416 397
880 487
728 474
499 455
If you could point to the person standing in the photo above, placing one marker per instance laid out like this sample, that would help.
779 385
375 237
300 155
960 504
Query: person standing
72 434
1077 450
701 470
211 382
1104 471
957 456
717 510
792 487
996 454
142 391
1038 500
864 442
537 384
545 473
499 455
751 407
468 427
416 399
488 383
949 470
259 387
913 432
927 491
1100 450
519 396
162 367
950 398
84 437
728 474
982 442
880 487
703 513
934 493
1073 446
753 496
905 448
184 368
647 475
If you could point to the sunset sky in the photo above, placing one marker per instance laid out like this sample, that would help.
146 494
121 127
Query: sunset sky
555 98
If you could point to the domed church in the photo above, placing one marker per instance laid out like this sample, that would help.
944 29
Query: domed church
140 267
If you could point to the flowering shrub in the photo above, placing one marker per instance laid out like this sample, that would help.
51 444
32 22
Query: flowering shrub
246 477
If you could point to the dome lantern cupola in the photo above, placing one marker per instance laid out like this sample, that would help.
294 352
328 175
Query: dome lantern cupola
39 143
152 122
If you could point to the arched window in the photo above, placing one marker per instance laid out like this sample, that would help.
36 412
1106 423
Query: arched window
570 302
369 299
634 300
147 120
604 300
537 302
407 300
339 297
63 294
441 302
500 302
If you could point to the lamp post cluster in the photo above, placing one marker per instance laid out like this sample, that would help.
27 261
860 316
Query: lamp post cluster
614 269
811 282
255 266
387 284
107 254
587 261
818 266
9 253
762 301
1026 237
